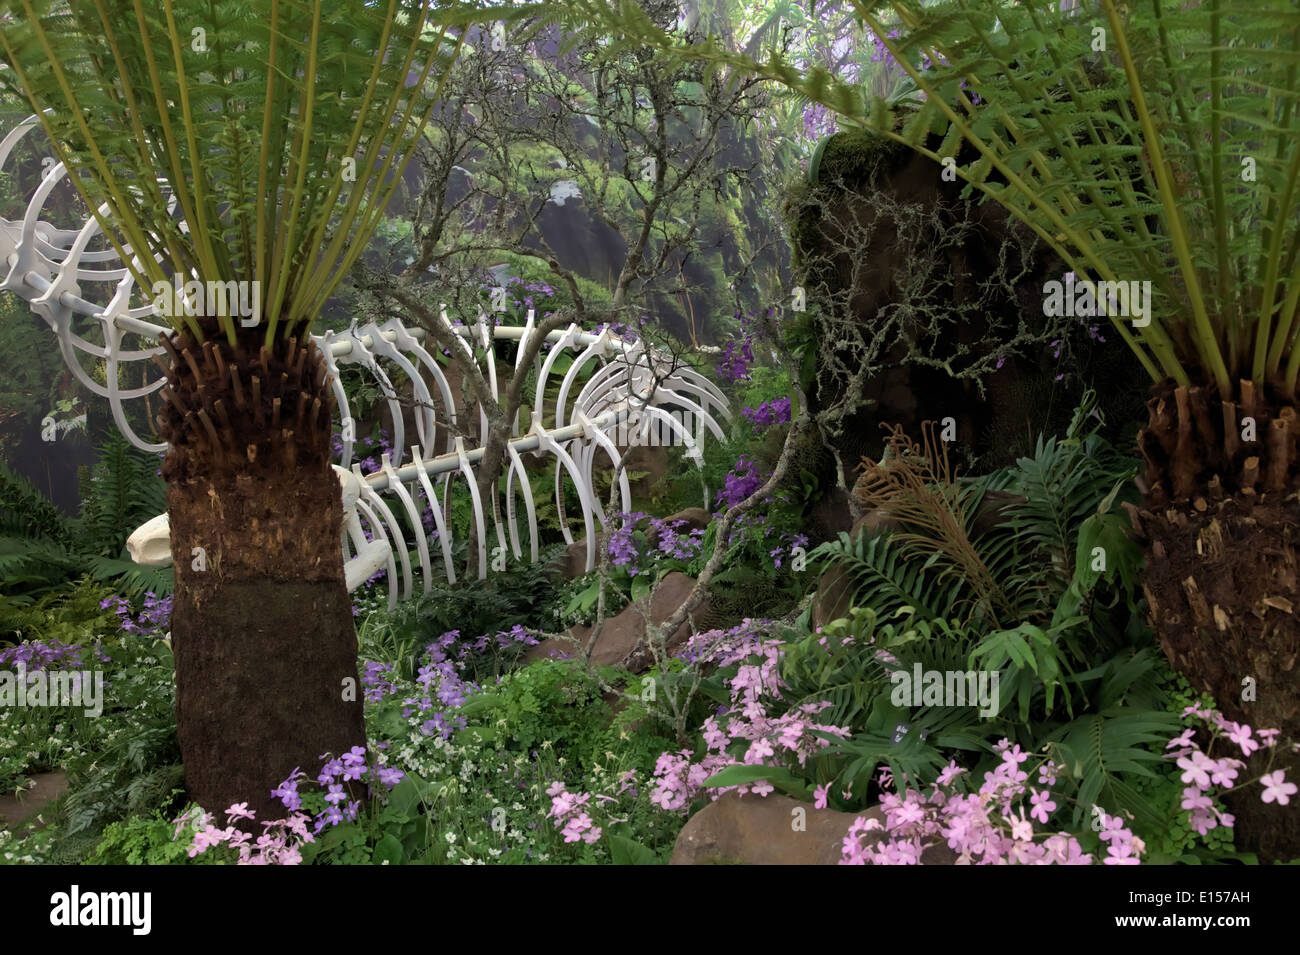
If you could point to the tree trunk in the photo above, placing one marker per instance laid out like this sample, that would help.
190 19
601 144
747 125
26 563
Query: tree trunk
1221 578
262 631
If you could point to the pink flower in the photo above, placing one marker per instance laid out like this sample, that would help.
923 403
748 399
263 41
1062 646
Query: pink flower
1197 767
819 796
1276 787
763 787
950 772
1241 736
1122 853
239 810
1015 755
1225 772
1042 806
1022 830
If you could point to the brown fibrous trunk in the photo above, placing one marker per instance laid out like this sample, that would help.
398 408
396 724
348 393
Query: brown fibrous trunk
262 631
1221 528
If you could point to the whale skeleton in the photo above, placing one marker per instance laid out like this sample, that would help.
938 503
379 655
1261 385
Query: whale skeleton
53 269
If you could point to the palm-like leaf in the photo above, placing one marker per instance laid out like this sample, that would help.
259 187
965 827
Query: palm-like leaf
276 131
1171 155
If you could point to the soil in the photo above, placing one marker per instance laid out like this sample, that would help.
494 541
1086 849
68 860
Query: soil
17 809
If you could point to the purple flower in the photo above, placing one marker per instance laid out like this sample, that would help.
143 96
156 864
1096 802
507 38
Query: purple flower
390 777
769 413
743 481
818 122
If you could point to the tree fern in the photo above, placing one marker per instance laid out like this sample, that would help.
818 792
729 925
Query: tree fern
1088 122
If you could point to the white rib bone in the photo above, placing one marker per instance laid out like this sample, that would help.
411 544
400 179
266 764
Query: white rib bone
46 266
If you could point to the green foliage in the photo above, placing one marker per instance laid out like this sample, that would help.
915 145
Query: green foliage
551 700
392 829
1076 674
520 596
123 491
145 840
577 600
31 372
42 552
130 761
484 790
26 513
69 615
124 762
1022 568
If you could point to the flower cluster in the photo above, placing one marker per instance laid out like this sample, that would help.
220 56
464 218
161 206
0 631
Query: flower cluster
373 446
767 414
570 814
744 479
988 827
621 329
441 677
283 839
818 122
880 52
622 543
155 617
1202 773
670 542
529 287
748 735
42 655
280 844
374 680
738 356
795 542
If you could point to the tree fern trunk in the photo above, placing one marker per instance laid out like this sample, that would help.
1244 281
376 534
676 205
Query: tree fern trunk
1220 529
265 648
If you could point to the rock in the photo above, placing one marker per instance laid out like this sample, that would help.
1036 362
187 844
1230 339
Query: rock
572 562
834 587
756 830
650 459
992 511
829 515
623 632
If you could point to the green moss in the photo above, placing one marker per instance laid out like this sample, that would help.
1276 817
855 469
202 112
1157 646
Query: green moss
849 159
853 157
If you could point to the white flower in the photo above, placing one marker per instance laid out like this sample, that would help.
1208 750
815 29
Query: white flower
450 837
